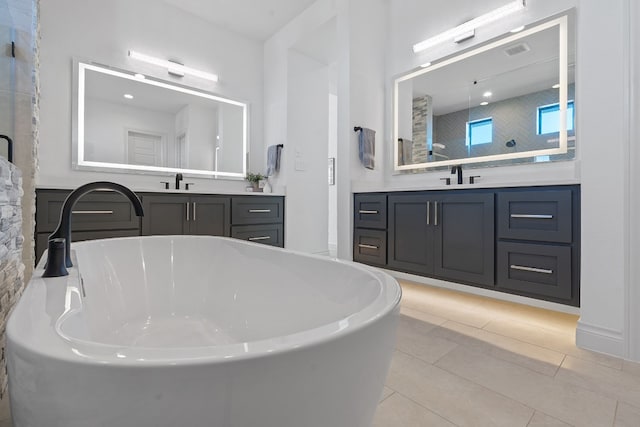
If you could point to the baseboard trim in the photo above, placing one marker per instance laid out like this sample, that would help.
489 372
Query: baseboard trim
601 340
485 292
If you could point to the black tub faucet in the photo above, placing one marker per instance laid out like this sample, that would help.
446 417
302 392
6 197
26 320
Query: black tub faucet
63 231
458 170
178 179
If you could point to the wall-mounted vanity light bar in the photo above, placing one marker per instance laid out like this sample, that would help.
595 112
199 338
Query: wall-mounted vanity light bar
465 31
173 68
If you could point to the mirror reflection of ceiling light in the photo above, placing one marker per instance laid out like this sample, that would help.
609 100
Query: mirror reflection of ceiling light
128 96
469 26
428 64
174 67
483 103
487 94
518 29
556 86
139 76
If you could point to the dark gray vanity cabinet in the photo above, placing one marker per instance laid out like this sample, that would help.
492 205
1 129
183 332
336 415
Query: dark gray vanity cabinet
258 219
464 237
176 214
370 229
449 235
98 215
538 245
517 240
411 233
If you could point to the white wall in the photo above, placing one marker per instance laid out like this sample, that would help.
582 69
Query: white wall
106 127
296 115
103 31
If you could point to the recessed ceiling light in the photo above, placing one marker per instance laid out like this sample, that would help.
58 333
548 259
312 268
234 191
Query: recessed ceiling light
556 86
128 96
484 103
139 76
425 65
487 94
518 29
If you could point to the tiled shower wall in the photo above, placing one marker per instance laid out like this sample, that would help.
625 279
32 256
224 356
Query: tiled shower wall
11 241
19 119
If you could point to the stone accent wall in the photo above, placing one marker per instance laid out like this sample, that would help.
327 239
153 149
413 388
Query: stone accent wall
11 242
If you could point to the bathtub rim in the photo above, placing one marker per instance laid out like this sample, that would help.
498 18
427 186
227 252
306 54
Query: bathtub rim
93 352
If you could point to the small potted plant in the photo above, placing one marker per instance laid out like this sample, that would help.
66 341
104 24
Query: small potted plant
254 179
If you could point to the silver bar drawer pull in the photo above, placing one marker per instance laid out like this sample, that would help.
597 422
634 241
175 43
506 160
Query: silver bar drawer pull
531 216
531 269
367 246
259 210
93 212
253 239
368 212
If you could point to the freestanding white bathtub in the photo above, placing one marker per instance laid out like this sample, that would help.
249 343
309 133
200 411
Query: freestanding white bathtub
185 331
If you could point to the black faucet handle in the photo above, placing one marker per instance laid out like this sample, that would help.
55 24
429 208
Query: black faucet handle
187 184
473 178
447 180
166 184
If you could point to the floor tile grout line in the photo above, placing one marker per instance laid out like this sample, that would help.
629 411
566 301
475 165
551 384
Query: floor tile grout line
509 397
390 394
615 413
560 366
427 408
532 415
473 382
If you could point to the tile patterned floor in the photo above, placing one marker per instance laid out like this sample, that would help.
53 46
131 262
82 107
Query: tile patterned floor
464 360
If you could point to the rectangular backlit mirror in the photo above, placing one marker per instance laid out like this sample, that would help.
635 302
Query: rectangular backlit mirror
131 123
508 101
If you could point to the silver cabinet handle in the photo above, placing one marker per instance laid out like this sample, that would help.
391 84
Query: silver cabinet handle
428 211
367 246
253 239
187 216
435 216
368 212
531 269
530 216
259 210
93 212
194 211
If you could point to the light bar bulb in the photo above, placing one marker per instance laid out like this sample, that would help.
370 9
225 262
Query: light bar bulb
471 25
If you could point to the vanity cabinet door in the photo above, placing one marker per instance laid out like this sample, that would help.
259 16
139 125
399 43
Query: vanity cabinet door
209 216
411 233
166 215
464 238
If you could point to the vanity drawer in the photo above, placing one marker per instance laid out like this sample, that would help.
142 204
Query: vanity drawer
257 210
100 210
370 211
539 215
535 269
270 234
370 246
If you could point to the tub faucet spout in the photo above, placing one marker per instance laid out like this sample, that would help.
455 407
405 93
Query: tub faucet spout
63 231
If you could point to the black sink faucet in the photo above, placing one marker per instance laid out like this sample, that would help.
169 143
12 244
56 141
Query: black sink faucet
63 231
178 179
458 170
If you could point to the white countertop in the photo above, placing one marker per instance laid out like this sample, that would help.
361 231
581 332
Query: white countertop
369 187
174 191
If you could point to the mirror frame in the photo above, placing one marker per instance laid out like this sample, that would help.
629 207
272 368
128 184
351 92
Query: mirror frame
78 129
563 51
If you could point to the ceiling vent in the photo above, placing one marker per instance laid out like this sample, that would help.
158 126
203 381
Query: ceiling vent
517 49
